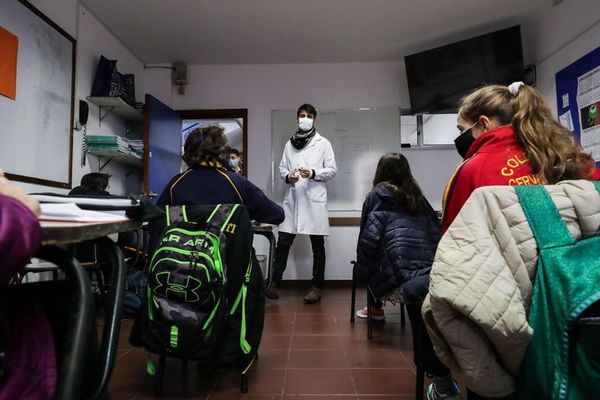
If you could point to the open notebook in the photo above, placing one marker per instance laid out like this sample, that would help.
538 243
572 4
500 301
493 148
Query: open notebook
70 212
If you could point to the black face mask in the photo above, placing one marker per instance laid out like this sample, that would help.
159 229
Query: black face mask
464 141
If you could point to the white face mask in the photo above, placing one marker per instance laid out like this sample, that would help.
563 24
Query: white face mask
305 124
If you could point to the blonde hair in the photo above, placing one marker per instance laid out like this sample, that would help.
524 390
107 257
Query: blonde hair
548 146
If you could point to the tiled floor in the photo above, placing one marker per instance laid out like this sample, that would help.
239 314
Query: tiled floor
308 352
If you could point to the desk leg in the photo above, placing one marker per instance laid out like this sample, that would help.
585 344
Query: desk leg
112 323
271 260
70 365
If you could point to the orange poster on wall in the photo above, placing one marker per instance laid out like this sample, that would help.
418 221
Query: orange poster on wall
9 44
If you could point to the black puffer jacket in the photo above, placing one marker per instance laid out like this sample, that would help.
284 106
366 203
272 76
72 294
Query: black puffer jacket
395 246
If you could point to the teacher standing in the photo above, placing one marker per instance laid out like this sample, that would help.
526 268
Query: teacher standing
307 163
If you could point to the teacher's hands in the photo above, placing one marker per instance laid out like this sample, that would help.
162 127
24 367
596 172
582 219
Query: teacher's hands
305 172
293 178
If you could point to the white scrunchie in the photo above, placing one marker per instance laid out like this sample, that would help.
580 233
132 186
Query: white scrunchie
513 88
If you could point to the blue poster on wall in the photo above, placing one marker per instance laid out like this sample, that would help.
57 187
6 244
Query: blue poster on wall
578 101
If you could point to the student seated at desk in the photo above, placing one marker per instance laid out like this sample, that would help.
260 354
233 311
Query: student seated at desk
399 233
28 365
208 182
92 184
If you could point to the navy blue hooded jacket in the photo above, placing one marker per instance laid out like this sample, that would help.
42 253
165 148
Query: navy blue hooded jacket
210 185
395 246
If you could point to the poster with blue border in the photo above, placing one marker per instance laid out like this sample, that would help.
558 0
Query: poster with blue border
578 101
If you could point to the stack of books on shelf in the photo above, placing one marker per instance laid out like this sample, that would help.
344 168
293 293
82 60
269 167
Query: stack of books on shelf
134 148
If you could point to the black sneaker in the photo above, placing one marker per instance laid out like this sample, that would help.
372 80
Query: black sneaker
272 292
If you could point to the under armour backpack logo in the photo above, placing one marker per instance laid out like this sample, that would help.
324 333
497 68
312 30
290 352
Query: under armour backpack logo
168 286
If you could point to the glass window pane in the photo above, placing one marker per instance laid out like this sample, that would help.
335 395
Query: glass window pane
408 130
439 129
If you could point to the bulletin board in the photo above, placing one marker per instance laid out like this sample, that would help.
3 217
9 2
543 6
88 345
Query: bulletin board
37 83
578 101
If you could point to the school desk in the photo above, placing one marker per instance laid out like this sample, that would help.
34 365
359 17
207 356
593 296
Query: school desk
72 378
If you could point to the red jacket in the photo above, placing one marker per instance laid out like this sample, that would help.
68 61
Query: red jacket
495 158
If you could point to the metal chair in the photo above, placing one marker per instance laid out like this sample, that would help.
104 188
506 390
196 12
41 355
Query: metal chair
369 306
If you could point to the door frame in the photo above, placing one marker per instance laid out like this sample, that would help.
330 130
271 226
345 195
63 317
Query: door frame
227 113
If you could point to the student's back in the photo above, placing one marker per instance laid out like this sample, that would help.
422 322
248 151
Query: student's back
397 243
212 184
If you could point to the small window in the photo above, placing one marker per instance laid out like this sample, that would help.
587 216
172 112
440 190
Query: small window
439 129
409 131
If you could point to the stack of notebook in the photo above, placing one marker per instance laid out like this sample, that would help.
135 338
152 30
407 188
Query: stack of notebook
114 143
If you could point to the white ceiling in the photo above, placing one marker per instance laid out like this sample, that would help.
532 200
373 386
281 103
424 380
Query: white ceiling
305 31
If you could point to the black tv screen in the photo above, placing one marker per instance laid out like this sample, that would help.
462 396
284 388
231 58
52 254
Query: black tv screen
439 78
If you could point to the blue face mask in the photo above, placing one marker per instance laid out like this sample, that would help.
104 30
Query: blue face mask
233 163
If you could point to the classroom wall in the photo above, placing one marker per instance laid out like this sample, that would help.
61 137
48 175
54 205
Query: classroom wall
559 36
262 88
93 39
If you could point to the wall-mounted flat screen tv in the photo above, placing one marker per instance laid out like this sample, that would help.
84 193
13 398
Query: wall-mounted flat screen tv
439 78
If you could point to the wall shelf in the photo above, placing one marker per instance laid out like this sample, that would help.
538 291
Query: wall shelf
117 156
118 107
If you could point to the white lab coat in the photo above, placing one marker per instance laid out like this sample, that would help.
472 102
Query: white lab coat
305 202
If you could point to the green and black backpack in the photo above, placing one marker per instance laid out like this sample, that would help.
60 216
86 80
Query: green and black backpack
186 294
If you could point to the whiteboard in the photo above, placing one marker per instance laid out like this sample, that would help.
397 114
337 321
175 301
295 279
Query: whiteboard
36 127
359 137
432 169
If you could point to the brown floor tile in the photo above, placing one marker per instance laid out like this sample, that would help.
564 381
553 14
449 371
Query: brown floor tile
316 329
232 395
268 358
272 342
375 358
384 381
129 381
284 319
317 359
320 397
315 342
260 382
275 307
278 328
122 397
307 352
321 318
319 381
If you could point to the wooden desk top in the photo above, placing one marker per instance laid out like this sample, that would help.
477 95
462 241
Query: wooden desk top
74 232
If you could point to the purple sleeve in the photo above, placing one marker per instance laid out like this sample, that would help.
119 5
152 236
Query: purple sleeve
20 236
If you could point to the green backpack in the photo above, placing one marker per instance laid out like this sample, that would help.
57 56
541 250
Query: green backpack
186 299
563 358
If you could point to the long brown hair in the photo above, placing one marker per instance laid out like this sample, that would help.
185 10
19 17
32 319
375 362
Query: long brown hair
548 146
393 171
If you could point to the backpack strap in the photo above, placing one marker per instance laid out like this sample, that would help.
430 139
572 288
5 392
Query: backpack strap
241 299
221 215
175 214
544 218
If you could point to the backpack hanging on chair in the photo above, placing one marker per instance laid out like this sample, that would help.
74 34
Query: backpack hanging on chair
563 357
186 298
